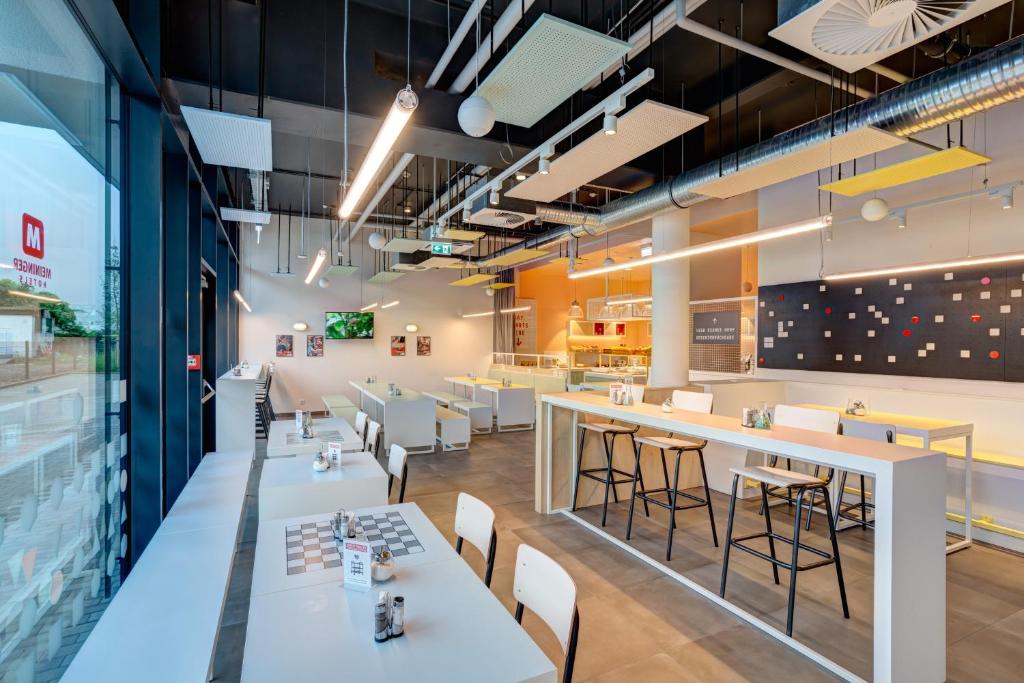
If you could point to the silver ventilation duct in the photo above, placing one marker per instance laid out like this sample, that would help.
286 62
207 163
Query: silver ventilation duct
982 82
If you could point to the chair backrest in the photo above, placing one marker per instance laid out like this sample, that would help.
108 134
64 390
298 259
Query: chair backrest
543 586
869 430
474 521
372 441
361 419
396 460
814 419
692 401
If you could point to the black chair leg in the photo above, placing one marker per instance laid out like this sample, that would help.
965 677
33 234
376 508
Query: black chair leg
768 528
842 492
673 494
668 489
579 467
810 508
632 497
639 474
607 483
728 534
835 554
609 450
793 564
863 505
707 495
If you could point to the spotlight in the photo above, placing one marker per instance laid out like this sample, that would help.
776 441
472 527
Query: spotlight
611 124
520 176
407 209
544 166
494 198
1008 200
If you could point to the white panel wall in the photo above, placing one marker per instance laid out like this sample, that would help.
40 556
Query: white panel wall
459 345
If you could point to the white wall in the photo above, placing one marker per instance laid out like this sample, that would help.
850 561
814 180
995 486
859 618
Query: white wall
459 345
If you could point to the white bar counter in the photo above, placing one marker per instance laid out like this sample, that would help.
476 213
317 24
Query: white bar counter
236 409
289 486
409 420
909 536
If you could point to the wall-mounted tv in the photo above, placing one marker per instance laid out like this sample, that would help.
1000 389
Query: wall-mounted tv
341 325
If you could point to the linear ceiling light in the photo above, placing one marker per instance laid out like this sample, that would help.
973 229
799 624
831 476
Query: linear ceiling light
245 304
369 306
477 315
37 297
924 267
398 116
390 304
318 263
637 300
718 245
517 309
911 170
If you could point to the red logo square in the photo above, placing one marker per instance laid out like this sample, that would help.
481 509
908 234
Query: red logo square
32 236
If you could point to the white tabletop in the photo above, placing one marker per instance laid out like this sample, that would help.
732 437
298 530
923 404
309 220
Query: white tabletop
325 430
212 496
465 380
249 373
456 629
291 471
378 391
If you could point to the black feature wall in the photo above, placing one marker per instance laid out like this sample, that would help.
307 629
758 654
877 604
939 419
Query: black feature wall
965 323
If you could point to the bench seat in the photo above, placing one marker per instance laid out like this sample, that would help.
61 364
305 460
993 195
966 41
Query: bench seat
453 429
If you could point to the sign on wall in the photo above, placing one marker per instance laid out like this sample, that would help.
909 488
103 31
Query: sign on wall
716 327
524 327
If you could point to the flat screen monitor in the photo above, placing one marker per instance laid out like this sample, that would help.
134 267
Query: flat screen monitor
345 325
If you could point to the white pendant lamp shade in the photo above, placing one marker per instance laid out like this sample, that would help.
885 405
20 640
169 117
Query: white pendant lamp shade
323 283
476 116
575 310
489 291
377 240
874 210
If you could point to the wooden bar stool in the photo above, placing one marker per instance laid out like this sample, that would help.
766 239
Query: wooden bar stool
607 475
861 430
693 402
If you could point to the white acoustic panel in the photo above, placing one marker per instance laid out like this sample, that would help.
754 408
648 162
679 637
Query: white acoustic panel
384 277
853 34
232 140
645 127
838 149
404 245
244 215
441 262
553 60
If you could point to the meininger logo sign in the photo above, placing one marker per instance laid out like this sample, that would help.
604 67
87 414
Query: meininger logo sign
32 236
33 244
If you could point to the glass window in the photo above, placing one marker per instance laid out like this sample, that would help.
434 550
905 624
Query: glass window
61 479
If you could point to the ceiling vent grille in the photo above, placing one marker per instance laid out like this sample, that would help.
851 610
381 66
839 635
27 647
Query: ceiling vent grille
853 34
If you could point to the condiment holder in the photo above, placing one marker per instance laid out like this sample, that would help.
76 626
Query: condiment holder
666 406
383 566
321 463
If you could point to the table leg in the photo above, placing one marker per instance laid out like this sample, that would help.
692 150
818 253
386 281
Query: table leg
968 498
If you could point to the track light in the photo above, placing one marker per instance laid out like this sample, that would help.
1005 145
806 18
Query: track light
544 166
1008 200
390 304
407 209
397 117
318 263
520 176
611 124
236 293
901 218
368 306
495 197
466 215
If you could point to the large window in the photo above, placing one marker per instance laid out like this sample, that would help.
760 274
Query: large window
62 512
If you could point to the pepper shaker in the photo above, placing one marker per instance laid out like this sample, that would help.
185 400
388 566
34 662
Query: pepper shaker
398 617
380 617
351 524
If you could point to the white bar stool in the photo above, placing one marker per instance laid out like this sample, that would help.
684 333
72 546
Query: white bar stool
542 585
474 522
398 466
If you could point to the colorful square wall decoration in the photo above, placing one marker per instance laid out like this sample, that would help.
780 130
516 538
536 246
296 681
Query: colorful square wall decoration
285 346
315 345
398 345
422 346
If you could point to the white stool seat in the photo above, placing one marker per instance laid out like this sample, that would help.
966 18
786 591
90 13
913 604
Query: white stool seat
776 476
670 443
604 427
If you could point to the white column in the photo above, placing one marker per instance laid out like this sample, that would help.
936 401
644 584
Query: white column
670 287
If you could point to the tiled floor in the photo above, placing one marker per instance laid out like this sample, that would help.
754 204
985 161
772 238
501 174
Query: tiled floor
638 624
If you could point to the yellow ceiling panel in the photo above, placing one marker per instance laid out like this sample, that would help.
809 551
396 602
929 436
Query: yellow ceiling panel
468 235
501 285
472 280
512 258
919 168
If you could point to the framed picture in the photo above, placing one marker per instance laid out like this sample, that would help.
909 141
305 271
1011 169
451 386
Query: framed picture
598 328
315 345
620 329
422 346
285 346
398 345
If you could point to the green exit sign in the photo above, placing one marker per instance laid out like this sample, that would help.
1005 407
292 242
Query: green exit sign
442 248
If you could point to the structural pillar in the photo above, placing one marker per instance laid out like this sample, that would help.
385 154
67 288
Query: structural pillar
670 287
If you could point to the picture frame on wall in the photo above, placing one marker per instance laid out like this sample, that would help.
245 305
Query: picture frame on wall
620 329
285 346
398 345
314 345
422 346
599 328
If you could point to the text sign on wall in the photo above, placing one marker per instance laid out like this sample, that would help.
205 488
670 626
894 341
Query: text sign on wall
722 327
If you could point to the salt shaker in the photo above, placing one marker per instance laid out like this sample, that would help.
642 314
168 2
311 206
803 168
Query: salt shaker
398 617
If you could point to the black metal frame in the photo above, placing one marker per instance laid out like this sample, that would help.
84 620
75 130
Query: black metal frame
842 510
401 489
570 650
492 551
672 494
797 546
609 472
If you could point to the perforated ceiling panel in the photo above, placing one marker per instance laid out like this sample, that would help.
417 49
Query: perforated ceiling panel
918 168
231 140
853 34
836 150
385 276
441 262
456 234
554 59
646 126
245 215
472 280
404 245
514 257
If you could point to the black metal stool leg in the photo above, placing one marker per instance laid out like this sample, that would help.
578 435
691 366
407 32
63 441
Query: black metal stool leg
673 494
793 564
768 527
579 468
839 499
632 497
707 495
835 555
863 505
639 474
728 534
664 470
607 483
810 509
609 449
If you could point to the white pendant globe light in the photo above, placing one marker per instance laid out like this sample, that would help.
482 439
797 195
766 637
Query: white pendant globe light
490 292
323 283
476 116
874 210
377 240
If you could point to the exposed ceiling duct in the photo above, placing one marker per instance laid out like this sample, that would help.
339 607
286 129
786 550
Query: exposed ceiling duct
974 85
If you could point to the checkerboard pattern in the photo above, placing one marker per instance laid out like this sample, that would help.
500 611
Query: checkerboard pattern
294 438
311 546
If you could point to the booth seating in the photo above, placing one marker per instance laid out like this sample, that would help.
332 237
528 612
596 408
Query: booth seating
479 414
443 398
339 405
453 429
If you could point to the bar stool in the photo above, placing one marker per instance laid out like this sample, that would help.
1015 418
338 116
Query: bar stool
693 402
398 467
862 430
474 522
608 431
546 588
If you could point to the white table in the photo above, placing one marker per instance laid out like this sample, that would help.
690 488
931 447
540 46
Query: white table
470 384
909 554
290 487
236 409
285 440
408 420
928 430
307 627
514 406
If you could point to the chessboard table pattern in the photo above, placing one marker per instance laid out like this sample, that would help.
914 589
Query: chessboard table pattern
311 546
294 438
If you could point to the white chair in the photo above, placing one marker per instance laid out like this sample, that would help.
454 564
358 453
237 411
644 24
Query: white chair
398 467
542 585
861 430
372 441
682 400
801 484
474 522
361 419
606 475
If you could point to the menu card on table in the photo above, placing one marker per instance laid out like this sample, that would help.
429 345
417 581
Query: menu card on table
357 558
334 452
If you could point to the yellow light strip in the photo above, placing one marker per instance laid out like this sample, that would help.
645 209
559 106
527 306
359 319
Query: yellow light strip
638 300
37 297
517 309
924 267
911 170
500 285
390 304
